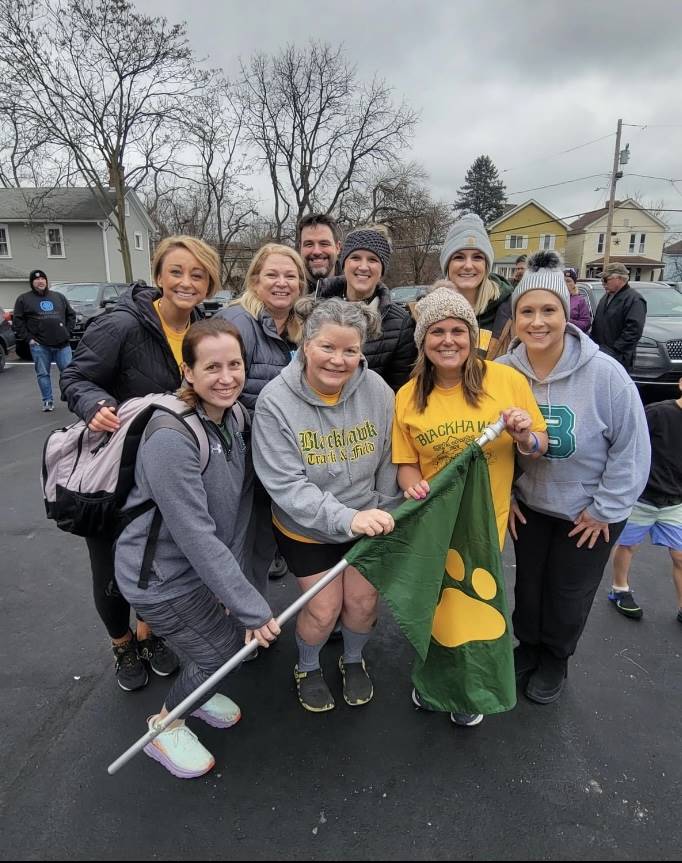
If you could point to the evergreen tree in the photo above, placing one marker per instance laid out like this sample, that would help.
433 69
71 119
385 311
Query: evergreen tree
483 192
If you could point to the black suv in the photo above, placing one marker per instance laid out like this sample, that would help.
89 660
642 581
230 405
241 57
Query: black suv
89 300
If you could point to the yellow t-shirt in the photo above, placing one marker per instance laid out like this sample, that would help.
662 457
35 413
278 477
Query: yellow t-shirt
449 425
332 399
174 339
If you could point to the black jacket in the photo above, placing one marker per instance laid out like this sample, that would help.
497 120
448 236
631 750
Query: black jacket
122 354
46 317
618 326
392 355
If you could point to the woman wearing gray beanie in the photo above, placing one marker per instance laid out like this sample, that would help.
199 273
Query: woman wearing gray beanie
467 259
571 506
364 259
452 396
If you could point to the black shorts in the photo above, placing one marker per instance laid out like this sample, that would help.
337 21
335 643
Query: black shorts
309 558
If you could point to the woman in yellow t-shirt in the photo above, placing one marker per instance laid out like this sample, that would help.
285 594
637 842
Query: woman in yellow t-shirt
452 396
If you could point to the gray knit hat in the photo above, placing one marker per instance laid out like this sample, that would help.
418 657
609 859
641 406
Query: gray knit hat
369 241
544 273
437 306
467 233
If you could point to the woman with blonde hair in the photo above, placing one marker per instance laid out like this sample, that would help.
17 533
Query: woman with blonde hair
452 396
136 350
200 549
264 316
466 259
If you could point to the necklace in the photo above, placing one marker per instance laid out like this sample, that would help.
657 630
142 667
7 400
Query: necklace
170 326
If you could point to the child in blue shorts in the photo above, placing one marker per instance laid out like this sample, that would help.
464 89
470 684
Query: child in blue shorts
658 512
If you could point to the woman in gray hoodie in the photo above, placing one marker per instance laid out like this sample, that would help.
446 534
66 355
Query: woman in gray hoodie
571 505
322 449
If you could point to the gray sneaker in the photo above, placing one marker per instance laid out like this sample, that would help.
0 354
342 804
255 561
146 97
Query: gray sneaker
466 720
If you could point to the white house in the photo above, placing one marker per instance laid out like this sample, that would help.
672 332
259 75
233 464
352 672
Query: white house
68 234
636 240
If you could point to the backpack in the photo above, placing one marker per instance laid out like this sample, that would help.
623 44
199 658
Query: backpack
87 476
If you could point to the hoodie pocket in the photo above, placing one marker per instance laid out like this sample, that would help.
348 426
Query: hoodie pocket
563 499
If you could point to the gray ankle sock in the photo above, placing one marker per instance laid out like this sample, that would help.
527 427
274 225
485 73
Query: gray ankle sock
353 642
308 654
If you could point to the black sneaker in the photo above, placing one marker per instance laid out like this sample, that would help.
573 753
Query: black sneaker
278 568
526 660
131 673
162 660
548 679
313 692
624 602
357 686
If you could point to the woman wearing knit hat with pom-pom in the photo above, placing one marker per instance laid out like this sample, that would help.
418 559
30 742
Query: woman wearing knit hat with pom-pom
452 396
364 259
466 259
571 506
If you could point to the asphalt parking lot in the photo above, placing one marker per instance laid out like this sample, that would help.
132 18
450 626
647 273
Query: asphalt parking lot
595 776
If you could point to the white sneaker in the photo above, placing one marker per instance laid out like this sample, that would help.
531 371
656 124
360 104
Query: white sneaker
219 711
179 750
466 719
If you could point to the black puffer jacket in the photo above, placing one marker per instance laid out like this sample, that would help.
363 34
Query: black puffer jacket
122 354
393 354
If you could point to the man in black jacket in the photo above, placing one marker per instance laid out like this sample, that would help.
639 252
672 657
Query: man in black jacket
620 316
44 319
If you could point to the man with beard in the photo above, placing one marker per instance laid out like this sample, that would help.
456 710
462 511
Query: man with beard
319 244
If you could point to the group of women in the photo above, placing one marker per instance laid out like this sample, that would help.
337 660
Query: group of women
335 450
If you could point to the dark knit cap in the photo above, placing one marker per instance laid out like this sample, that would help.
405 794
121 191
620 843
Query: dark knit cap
36 274
369 241
571 272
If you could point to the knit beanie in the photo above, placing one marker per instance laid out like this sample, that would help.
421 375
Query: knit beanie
571 272
467 233
543 273
368 241
437 306
35 274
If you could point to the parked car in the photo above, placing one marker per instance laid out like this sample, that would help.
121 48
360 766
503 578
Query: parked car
216 302
7 339
408 294
89 300
658 360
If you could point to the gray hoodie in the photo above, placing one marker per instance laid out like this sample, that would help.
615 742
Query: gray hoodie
321 463
599 452
205 520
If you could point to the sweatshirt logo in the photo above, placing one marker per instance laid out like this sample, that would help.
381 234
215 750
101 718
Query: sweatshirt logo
337 445
560 421
46 305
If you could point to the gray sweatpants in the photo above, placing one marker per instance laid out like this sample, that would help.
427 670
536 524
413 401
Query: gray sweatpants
196 624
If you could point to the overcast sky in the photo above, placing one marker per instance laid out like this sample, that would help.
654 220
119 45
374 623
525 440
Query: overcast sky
519 80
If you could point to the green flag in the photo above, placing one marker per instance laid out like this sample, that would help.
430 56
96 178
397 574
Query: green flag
440 571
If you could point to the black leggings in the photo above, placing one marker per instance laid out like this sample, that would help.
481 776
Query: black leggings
555 581
111 606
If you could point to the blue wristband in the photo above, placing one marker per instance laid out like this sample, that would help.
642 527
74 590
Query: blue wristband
535 448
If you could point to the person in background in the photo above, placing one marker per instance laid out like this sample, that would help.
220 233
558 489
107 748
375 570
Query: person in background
450 381
322 449
201 542
658 512
364 259
44 319
519 269
580 308
264 316
136 350
620 316
466 259
569 507
319 244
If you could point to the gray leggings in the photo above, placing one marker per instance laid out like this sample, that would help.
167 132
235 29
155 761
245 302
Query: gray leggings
196 624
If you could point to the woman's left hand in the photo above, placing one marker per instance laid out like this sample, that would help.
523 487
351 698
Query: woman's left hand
589 529
518 423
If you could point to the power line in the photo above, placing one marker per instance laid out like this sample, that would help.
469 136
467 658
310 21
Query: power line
553 185
560 153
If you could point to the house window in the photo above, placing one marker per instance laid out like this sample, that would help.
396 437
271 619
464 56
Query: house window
642 238
5 250
547 241
633 240
138 242
516 241
600 243
55 241
126 209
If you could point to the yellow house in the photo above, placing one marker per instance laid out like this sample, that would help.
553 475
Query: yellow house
522 230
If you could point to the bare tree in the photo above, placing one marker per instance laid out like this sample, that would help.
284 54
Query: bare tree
104 83
317 129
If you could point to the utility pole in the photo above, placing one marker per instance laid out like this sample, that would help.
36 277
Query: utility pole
615 176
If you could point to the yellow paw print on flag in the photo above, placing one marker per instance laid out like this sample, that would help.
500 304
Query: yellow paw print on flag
460 618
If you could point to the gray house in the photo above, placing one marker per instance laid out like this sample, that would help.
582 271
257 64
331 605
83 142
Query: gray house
68 234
